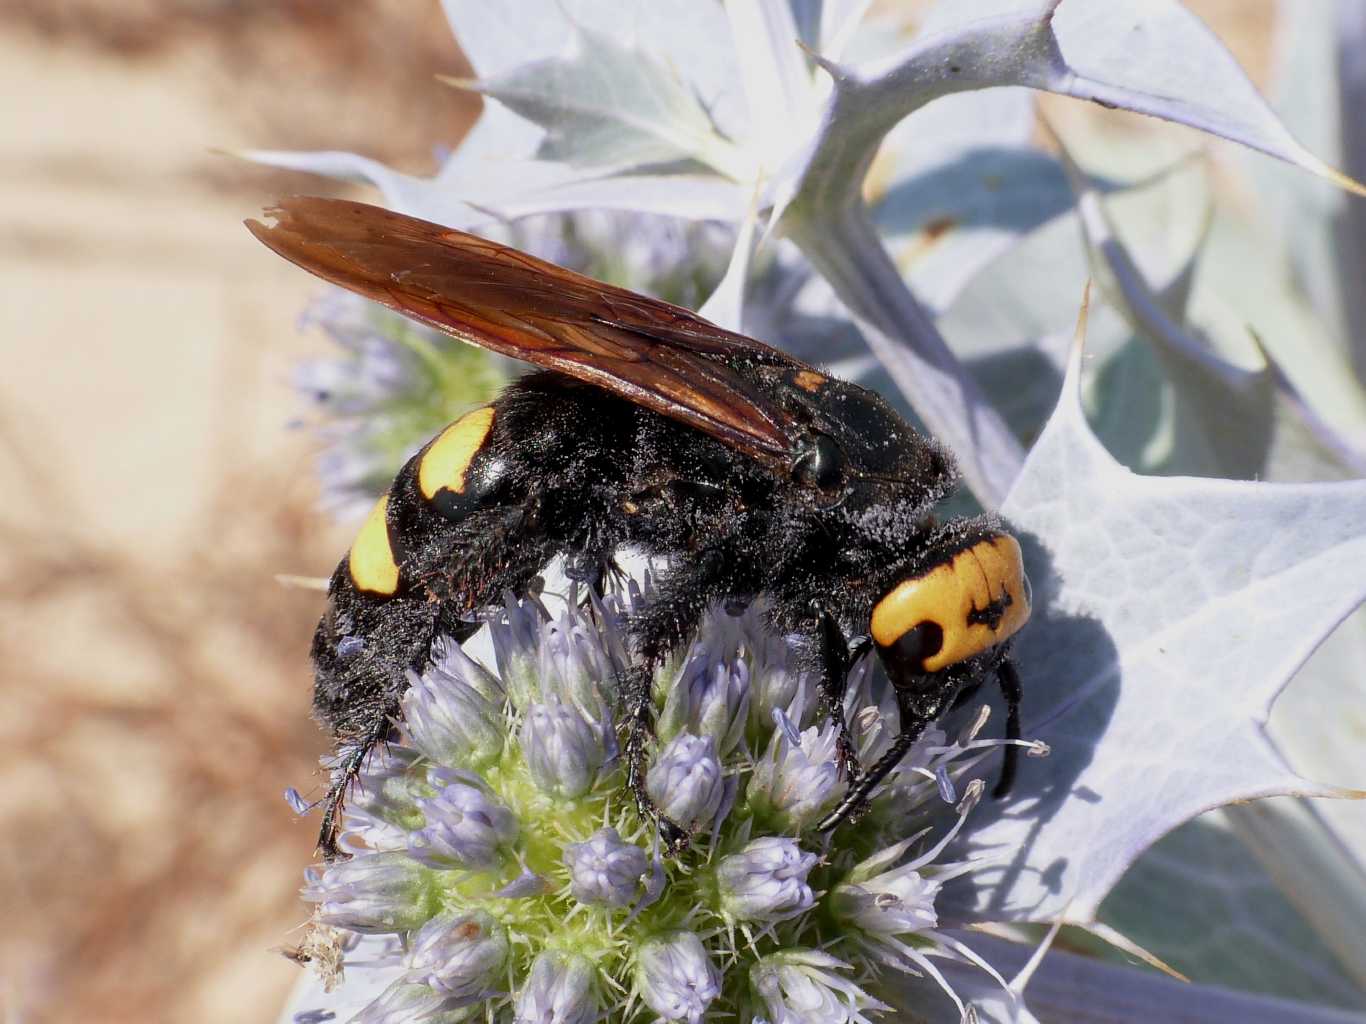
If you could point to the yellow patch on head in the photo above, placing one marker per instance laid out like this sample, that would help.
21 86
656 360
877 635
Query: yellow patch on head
448 458
371 561
809 380
979 598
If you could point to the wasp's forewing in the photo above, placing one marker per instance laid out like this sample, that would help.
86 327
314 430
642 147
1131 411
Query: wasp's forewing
649 352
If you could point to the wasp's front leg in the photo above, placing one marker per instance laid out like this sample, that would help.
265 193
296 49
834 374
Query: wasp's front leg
640 730
836 656
659 629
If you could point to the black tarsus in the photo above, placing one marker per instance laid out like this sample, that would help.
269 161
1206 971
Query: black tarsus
658 630
640 730
836 659
1012 691
856 799
342 776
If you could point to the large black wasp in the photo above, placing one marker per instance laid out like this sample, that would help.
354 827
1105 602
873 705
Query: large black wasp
648 427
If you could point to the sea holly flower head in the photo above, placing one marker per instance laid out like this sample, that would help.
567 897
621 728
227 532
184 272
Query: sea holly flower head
390 387
531 885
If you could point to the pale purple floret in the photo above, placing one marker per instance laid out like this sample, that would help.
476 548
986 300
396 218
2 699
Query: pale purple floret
686 781
461 956
374 894
467 827
605 869
563 750
766 881
561 988
676 977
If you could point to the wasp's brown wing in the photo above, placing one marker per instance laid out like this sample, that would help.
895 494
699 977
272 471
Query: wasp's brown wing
655 354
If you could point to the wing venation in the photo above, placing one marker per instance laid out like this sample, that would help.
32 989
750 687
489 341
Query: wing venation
657 355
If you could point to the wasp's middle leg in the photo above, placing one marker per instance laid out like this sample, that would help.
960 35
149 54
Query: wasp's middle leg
659 629
836 656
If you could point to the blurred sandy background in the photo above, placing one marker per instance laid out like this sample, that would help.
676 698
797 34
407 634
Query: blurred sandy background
155 677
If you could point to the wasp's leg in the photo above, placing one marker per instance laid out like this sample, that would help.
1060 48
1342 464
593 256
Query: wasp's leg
660 628
639 731
855 801
836 658
596 569
1009 681
364 718
1011 690
345 773
369 640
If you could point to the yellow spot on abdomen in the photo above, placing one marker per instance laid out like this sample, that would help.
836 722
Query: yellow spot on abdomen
809 380
448 458
990 572
371 561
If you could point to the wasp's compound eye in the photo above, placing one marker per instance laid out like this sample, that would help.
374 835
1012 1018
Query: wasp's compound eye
821 465
966 604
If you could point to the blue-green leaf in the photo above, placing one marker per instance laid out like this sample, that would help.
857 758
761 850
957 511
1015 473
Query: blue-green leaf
1170 613
603 104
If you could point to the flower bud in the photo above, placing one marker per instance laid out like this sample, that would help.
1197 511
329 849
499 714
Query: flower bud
406 1001
605 870
388 797
685 782
466 826
563 750
709 697
797 783
883 900
375 894
561 988
448 656
776 684
461 956
575 666
892 903
766 881
449 720
516 637
675 976
802 986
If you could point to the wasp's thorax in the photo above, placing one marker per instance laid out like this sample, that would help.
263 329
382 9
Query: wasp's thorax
858 451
